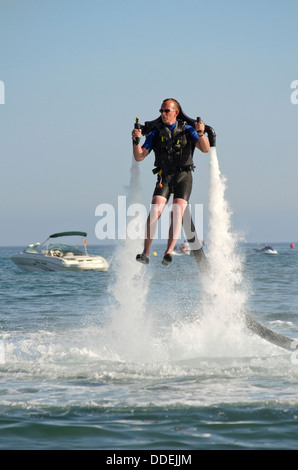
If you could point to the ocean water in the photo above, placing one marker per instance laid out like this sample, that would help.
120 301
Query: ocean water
150 357
83 370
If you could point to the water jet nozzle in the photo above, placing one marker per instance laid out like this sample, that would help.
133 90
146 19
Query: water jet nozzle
211 135
136 141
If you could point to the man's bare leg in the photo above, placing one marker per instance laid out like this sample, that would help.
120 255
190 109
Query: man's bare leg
179 206
157 206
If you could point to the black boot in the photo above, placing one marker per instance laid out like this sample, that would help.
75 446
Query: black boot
142 259
167 259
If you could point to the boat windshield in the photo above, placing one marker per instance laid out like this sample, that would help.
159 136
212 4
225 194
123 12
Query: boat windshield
31 249
65 248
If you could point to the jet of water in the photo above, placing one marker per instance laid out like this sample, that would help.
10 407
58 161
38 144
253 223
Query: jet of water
224 290
130 324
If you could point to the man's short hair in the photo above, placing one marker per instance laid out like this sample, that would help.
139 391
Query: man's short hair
174 101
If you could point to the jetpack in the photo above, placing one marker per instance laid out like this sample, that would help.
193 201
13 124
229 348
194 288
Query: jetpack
148 126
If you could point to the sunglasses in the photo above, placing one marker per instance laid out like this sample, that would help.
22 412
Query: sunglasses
166 110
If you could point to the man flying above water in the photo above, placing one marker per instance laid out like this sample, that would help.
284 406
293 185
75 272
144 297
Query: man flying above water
173 142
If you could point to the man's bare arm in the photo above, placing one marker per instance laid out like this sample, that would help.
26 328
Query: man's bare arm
138 152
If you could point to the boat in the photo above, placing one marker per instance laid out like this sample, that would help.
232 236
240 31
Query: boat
267 249
183 249
59 256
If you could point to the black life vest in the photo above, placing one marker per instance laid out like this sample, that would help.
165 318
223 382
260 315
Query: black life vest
173 148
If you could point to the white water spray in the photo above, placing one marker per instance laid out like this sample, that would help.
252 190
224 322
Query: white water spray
226 273
224 296
130 323
224 290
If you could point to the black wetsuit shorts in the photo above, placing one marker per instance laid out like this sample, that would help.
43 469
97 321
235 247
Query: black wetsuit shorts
179 184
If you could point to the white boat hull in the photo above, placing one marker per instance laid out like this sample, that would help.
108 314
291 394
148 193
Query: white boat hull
41 262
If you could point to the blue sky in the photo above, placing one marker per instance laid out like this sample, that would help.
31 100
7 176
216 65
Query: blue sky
77 73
